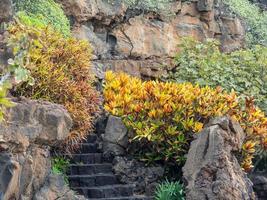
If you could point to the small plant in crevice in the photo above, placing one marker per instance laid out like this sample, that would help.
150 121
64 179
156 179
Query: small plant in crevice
170 191
60 165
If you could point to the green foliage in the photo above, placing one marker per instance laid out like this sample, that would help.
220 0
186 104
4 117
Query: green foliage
245 71
30 20
255 19
44 12
60 69
4 101
170 191
60 166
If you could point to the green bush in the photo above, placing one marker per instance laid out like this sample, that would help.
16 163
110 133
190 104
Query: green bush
255 19
170 191
244 71
46 12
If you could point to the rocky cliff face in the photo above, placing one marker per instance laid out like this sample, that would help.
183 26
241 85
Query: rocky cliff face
143 43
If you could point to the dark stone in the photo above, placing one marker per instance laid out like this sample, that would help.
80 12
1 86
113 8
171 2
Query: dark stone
115 139
9 177
130 171
260 185
6 10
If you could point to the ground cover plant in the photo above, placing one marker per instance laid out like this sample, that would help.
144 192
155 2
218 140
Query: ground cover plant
244 71
59 68
165 115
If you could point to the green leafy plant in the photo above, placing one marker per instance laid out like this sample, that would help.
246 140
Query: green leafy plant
170 191
60 68
44 12
254 17
60 165
244 71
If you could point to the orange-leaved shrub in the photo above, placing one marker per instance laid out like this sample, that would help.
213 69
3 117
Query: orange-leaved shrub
60 68
164 115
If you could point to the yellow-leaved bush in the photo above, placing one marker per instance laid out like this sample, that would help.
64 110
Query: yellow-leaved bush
60 68
164 115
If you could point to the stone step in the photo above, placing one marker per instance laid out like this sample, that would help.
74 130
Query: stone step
92 180
126 198
88 148
89 169
91 138
106 191
87 158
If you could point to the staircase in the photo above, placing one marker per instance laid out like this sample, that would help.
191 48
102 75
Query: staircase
91 175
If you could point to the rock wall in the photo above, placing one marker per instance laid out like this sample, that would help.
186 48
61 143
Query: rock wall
143 43
30 130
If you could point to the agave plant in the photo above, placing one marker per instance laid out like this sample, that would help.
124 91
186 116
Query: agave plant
170 191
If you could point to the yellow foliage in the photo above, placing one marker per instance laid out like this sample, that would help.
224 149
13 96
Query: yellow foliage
166 114
60 68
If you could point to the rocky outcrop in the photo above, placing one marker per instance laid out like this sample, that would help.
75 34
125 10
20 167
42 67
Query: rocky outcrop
37 122
132 40
6 10
211 170
130 171
115 139
30 129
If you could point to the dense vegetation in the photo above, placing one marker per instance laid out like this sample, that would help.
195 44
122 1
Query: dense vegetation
255 20
165 115
46 12
244 71
59 71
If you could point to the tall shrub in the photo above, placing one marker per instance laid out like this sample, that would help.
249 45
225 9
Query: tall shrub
164 116
60 69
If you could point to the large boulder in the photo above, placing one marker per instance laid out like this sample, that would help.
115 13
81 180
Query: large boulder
84 10
115 139
30 129
211 170
40 122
